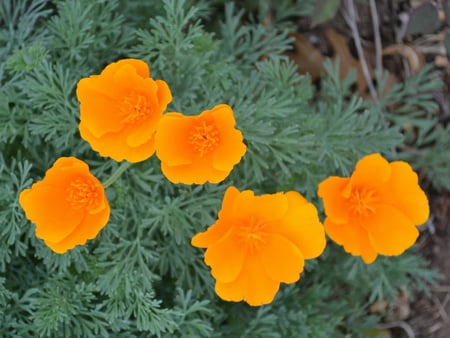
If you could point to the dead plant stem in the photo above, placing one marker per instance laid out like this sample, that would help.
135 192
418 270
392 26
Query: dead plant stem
351 21
377 38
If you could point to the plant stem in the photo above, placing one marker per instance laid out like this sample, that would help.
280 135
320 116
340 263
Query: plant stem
123 166
351 21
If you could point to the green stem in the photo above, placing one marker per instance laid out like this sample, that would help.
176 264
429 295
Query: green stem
123 166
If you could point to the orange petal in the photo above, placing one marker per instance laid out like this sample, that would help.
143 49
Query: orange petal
199 172
114 145
353 238
371 171
301 226
403 192
172 139
216 231
252 285
390 231
140 66
97 85
368 254
261 289
231 148
136 135
267 207
126 80
47 208
225 258
226 212
331 191
211 236
164 94
105 83
87 229
231 292
282 260
99 112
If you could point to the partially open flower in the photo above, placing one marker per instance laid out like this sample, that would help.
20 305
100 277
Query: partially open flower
376 210
68 206
120 109
259 242
197 149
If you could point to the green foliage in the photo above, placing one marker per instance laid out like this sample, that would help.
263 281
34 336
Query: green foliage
141 276
324 10
412 106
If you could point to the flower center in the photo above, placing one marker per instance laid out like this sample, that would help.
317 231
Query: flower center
363 201
204 138
83 194
252 234
134 108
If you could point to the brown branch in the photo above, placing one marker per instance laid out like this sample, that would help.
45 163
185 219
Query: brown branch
351 21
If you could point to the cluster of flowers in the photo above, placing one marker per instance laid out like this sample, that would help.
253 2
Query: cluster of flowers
257 242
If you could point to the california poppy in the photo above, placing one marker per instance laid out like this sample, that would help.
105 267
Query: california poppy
68 206
376 210
259 242
201 148
120 109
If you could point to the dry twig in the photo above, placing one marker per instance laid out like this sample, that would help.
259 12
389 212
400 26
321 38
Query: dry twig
400 324
351 21
377 38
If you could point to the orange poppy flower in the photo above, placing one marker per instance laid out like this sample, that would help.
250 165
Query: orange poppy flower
376 210
120 109
259 242
196 149
68 206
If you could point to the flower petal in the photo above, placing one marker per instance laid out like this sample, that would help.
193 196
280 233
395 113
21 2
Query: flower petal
371 171
231 148
216 231
266 207
331 191
225 258
403 192
171 140
353 238
252 285
228 202
106 117
164 94
301 226
282 260
261 289
199 172
211 236
114 146
87 229
390 231
46 207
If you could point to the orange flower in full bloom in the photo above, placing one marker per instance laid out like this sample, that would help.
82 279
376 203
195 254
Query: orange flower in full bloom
120 109
196 149
68 206
376 210
259 242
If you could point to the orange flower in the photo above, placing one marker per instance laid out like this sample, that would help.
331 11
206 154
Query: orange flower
68 206
259 242
376 210
196 149
120 109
